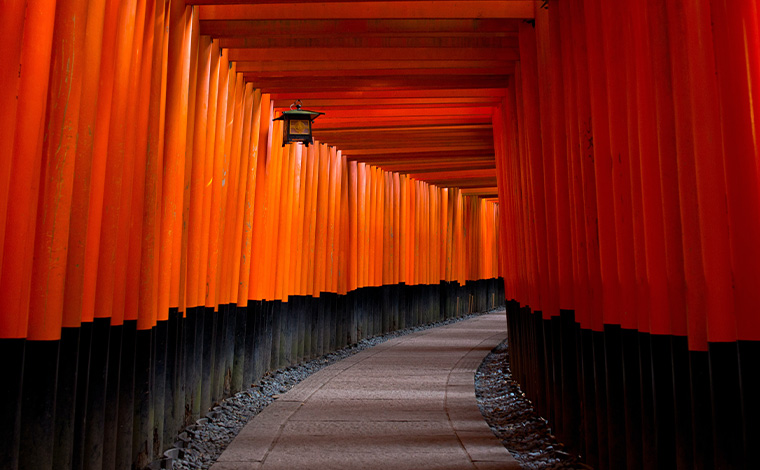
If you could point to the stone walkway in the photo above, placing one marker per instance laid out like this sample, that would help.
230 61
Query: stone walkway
408 403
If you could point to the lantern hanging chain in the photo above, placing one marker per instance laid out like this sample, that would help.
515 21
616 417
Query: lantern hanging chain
297 104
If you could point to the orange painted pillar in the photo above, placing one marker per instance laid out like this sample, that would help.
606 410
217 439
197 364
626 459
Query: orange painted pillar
256 285
333 189
148 292
115 164
344 255
245 289
545 96
654 231
637 248
309 228
216 177
274 177
693 269
134 93
434 231
516 226
576 114
402 228
429 240
666 139
387 246
405 229
333 240
180 221
533 149
234 219
393 200
208 174
73 307
718 310
133 271
423 234
297 260
362 233
379 196
450 235
516 105
353 226
434 234
558 129
227 186
227 221
178 66
282 243
58 163
735 39
617 84
443 198
602 162
313 180
197 182
396 231
505 181
371 224
25 167
414 231
302 229
99 157
12 24
320 251
183 240
528 179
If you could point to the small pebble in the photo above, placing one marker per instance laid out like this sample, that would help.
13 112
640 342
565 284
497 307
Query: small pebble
513 419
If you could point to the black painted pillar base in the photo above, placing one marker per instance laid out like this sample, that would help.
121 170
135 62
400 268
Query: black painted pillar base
66 391
589 399
160 348
38 405
682 403
92 456
648 434
663 393
727 412
616 424
190 364
749 358
12 352
632 390
82 390
251 339
206 319
111 418
142 440
701 417
126 397
276 306
238 364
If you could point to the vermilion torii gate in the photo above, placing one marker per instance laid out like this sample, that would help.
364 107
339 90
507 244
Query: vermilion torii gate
594 164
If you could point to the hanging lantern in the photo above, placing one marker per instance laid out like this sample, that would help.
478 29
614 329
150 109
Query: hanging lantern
297 124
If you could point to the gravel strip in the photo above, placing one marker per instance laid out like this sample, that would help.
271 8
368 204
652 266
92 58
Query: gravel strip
512 418
199 445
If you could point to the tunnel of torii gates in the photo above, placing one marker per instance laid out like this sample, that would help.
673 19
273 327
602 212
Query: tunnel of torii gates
592 164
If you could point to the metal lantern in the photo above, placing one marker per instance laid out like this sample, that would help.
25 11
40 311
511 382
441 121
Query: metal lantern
297 124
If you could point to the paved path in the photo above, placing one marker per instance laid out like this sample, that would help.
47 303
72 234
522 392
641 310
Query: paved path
408 403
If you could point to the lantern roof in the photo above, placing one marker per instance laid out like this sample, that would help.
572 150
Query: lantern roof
298 113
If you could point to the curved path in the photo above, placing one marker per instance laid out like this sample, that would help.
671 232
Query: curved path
408 403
